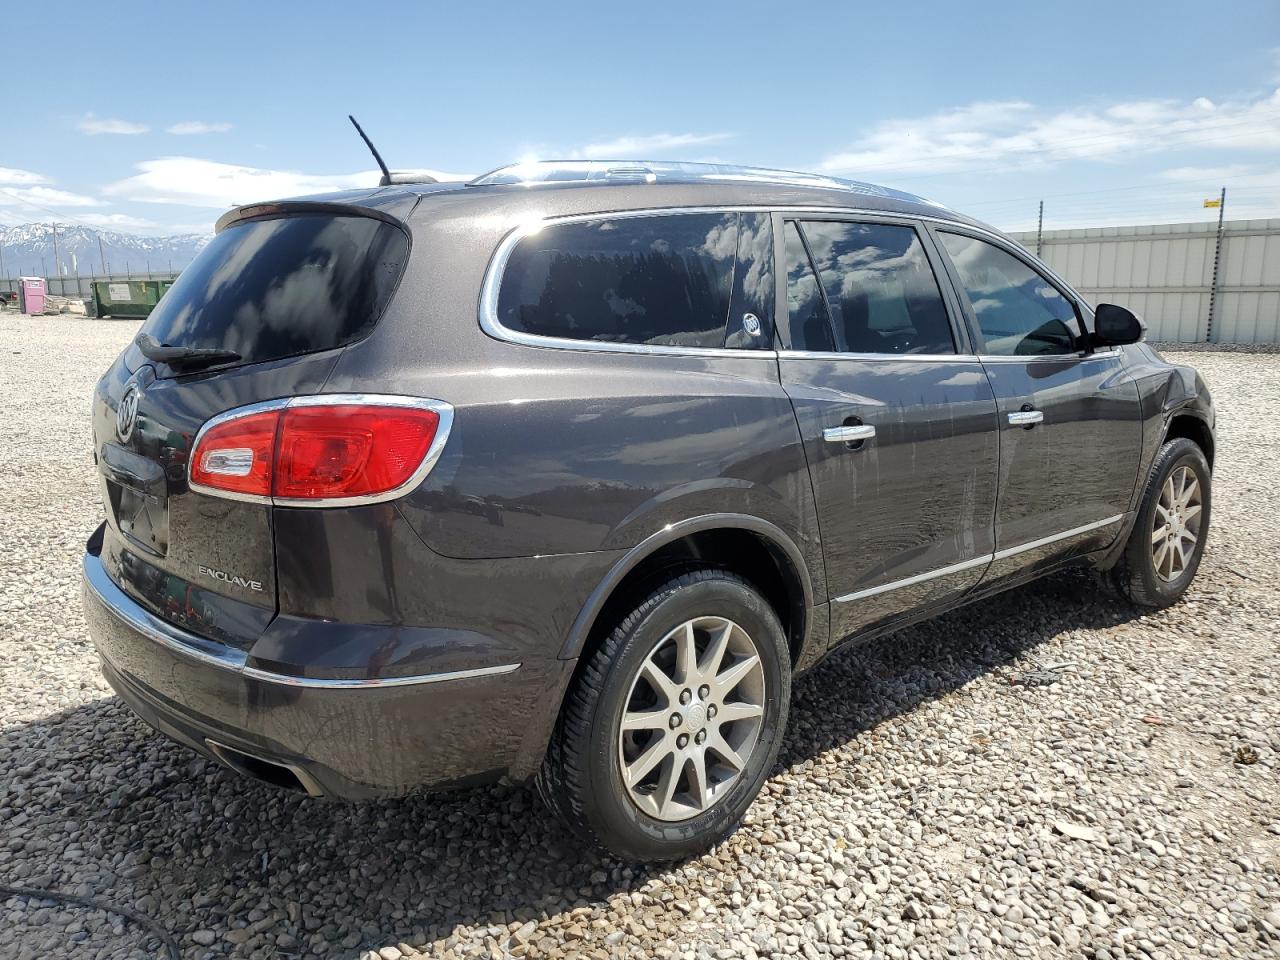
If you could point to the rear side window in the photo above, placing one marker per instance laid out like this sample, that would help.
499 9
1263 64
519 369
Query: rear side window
807 321
660 280
1019 312
881 293
286 286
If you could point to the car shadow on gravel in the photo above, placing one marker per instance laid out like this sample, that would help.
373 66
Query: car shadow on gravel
201 848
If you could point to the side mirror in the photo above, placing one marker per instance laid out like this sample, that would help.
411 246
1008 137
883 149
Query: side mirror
1115 326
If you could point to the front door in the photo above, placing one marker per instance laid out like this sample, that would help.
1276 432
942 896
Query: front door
1070 418
898 425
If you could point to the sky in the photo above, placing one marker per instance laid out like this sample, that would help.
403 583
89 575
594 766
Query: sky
164 115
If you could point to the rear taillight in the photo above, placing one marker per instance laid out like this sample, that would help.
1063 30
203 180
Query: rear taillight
320 451
234 456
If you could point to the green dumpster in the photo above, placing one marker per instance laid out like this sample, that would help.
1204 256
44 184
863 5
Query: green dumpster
126 298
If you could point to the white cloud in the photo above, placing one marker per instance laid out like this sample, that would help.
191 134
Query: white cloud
95 125
116 220
45 196
22 178
189 127
996 136
1233 176
207 183
647 146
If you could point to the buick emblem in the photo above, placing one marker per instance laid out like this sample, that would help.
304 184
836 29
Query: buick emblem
127 414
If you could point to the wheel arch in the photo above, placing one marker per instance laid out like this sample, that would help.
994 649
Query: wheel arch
756 549
1188 423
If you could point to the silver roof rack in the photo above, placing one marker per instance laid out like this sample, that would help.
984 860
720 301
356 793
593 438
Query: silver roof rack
670 171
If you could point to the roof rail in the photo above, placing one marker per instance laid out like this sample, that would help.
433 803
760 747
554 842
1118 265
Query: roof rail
669 171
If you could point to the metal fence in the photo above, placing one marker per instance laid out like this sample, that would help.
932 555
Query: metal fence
82 285
1166 273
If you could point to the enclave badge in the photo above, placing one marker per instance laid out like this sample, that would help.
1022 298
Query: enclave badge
127 413
233 580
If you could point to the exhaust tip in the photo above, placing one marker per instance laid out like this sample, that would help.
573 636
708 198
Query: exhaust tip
283 775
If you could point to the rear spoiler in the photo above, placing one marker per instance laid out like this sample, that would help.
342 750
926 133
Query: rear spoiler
284 208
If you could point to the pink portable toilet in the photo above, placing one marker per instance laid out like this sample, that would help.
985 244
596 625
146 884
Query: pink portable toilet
31 293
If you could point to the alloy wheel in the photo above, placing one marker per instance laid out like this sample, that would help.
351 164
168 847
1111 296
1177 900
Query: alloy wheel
692 718
1175 531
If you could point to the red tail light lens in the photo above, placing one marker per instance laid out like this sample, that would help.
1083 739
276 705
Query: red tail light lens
350 451
235 456
318 452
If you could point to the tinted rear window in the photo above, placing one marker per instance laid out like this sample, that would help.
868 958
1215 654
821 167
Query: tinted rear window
662 280
282 287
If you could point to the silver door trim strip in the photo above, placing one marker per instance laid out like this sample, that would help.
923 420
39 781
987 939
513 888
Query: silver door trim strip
918 578
978 561
1064 535
356 683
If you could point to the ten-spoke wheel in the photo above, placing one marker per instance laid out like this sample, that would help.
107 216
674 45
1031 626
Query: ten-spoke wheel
1177 523
693 713
1164 549
672 724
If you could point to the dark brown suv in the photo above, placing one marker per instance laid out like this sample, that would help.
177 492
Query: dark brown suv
567 472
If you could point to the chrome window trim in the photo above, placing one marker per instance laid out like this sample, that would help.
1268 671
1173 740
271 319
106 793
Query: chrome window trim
439 407
1049 357
173 638
891 357
492 283
978 561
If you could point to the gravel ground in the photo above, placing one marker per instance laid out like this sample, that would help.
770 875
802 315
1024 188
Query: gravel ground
926 803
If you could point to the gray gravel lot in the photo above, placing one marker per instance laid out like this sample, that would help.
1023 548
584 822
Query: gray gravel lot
925 803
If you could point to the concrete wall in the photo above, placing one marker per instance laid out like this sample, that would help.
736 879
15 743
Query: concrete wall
1164 272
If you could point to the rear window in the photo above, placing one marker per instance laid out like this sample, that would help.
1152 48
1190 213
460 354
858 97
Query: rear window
282 287
660 280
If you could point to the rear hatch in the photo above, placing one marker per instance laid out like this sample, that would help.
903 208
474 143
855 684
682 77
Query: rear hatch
262 313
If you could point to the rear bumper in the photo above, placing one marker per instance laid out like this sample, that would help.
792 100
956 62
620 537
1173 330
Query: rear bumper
342 737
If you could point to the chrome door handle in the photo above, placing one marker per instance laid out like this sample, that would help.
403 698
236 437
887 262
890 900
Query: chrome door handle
1026 418
852 434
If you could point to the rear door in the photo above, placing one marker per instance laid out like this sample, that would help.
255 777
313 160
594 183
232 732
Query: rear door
284 294
1070 418
897 418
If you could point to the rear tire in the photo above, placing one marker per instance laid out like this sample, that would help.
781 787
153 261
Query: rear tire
1168 537
643 793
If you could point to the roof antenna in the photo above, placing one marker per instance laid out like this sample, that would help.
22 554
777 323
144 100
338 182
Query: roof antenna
386 174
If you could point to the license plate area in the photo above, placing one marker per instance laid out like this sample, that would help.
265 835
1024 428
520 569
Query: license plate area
142 517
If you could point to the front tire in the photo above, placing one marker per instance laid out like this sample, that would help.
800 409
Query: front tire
1168 537
673 723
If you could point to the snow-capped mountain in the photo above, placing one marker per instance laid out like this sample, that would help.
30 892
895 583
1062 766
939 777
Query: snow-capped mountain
27 250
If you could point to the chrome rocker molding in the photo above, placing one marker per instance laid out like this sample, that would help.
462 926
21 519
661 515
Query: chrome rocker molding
121 606
442 409
978 561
